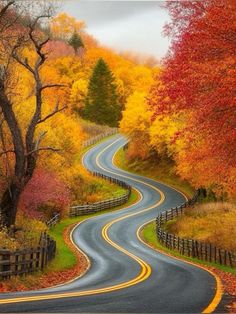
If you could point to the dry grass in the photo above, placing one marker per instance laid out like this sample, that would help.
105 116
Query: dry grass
211 222
92 189
161 170
27 235
93 129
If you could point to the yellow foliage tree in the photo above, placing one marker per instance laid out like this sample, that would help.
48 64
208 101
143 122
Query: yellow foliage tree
163 134
135 124
78 93
63 26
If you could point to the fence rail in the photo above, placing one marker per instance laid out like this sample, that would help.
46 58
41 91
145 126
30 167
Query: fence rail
51 222
21 262
189 247
99 137
80 210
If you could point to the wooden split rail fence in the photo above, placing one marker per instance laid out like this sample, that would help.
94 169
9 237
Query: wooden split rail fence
99 137
21 262
80 210
54 220
24 261
189 247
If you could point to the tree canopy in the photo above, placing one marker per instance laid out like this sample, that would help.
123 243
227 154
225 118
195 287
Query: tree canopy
101 104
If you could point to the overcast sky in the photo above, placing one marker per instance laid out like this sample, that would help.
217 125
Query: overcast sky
123 25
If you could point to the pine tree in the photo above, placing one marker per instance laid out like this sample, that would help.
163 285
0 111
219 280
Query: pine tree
76 42
101 104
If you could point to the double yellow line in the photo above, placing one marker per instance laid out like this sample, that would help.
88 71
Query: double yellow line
145 268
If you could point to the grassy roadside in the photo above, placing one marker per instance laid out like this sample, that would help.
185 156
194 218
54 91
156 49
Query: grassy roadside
226 274
65 258
161 172
95 189
65 266
149 236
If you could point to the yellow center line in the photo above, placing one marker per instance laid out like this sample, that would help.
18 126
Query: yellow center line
145 268
219 289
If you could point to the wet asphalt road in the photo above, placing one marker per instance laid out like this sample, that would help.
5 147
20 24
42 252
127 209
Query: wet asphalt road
172 287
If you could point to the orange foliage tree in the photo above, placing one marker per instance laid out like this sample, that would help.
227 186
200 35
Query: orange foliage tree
198 80
24 145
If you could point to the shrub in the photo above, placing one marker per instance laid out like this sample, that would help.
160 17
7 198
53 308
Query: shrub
44 190
210 222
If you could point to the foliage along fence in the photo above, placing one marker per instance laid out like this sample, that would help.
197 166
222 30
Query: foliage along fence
107 204
21 262
51 222
189 247
99 137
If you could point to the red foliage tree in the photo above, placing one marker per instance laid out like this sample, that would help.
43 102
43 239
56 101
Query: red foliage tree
44 190
58 49
199 77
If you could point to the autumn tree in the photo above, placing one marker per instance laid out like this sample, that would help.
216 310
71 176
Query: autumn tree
76 42
64 26
78 94
199 82
101 105
24 147
135 123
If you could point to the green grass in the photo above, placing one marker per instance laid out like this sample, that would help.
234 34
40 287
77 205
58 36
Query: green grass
161 171
149 235
65 258
102 188
109 190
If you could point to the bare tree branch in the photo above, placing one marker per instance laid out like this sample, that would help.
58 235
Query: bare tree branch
23 63
7 152
52 85
44 149
5 8
38 46
29 32
55 111
40 138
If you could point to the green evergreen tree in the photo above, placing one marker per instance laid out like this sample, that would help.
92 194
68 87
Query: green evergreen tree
101 104
76 42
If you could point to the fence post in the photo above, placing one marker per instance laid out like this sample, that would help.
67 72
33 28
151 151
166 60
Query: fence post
220 258
166 239
230 259
225 258
210 252
183 248
6 257
16 262
178 243
193 249
206 251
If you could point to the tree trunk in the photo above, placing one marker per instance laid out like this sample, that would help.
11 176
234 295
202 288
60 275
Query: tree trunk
9 203
11 195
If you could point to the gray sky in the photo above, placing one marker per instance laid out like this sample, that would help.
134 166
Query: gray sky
123 25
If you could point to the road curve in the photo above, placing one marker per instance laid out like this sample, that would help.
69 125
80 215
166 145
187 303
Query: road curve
125 275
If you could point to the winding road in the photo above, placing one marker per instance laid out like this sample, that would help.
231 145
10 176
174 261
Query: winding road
125 275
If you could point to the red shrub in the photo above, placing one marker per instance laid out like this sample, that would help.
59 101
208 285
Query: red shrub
44 191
